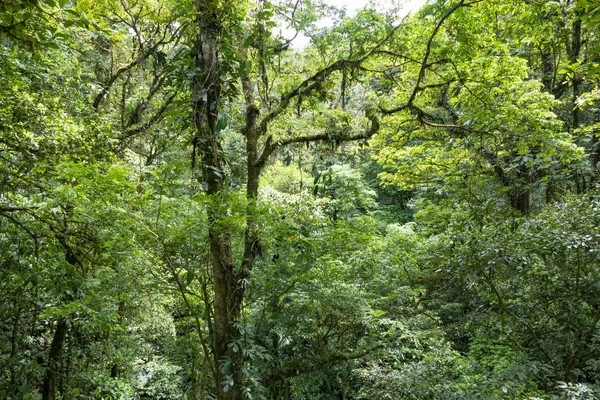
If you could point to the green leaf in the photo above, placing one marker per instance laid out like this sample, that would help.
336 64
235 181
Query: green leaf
221 123
189 276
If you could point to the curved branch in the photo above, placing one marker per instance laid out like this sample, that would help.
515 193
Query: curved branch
271 146
425 61
106 87
153 120
312 83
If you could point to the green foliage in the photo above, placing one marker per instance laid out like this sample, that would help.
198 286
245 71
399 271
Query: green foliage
344 192
429 228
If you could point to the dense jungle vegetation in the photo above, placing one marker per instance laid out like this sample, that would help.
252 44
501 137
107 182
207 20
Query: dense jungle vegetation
193 206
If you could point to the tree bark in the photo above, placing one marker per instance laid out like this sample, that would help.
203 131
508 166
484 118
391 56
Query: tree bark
54 358
519 200
595 158
573 50
227 288
229 278
14 343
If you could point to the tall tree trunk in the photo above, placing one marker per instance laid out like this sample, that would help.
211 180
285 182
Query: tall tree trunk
54 360
548 69
518 188
573 50
521 193
229 278
228 288
14 344
520 199
595 158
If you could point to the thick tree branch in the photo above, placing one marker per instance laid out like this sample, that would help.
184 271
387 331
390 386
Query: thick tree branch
309 85
14 209
157 84
153 120
106 87
425 61
271 146
20 224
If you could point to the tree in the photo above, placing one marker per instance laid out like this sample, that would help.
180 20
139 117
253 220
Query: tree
231 275
237 248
